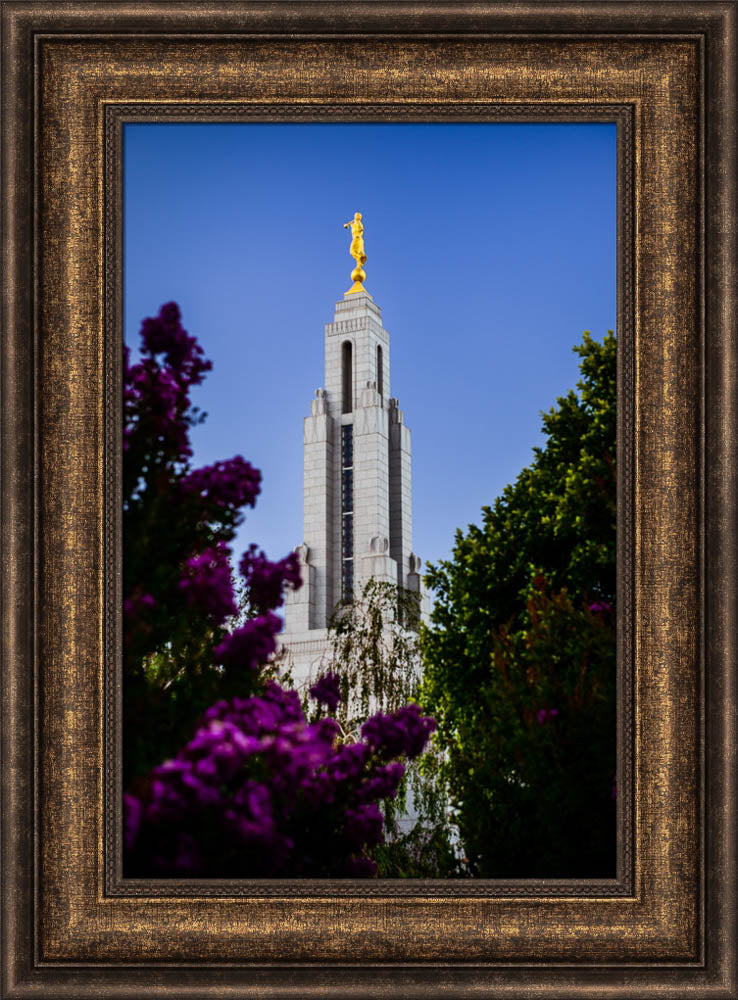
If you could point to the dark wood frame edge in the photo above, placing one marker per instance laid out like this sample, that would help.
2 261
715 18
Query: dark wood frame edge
19 492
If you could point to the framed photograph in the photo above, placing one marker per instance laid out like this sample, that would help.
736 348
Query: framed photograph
78 81
401 403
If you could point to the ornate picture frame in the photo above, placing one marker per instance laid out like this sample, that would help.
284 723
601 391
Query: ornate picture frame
72 75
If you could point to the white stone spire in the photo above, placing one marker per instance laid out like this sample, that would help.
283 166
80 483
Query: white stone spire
357 488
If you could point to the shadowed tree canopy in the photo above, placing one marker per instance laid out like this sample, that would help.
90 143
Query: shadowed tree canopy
520 652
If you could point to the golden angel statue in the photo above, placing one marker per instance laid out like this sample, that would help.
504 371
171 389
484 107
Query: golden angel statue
357 252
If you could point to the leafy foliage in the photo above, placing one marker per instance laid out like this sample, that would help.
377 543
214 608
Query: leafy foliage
247 787
257 792
374 654
520 653
177 523
375 664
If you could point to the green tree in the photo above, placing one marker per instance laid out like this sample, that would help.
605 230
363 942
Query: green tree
519 657
375 653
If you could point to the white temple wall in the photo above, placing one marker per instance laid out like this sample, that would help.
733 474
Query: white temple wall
382 512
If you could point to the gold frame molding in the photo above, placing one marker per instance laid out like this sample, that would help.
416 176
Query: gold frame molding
73 73
115 116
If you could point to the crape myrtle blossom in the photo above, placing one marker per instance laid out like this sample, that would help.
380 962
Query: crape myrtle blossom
177 520
258 792
327 691
265 581
163 397
233 483
251 645
178 523
138 603
156 397
137 608
182 353
404 732
207 583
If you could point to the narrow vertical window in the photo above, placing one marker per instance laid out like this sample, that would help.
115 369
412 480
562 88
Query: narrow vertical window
347 512
346 363
380 372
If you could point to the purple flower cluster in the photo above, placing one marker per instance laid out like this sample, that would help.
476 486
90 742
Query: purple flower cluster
404 733
137 605
383 783
153 401
137 613
258 792
207 502
266 580
156 397
164 334
232 484
207 583
600 607
251 645
546 715
327 691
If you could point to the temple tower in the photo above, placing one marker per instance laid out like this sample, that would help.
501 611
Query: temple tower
357 488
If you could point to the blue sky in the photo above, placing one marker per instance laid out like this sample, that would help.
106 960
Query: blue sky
490 249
